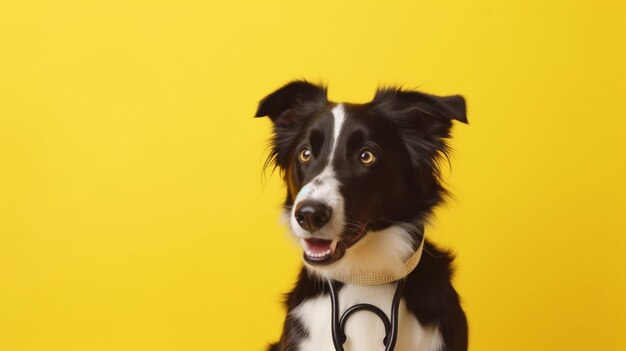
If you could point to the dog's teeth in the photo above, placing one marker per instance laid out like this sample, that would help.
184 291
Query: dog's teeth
318 255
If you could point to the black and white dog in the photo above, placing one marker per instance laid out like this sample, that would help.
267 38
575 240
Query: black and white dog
362 180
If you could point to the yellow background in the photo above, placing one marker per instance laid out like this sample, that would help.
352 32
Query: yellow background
133 210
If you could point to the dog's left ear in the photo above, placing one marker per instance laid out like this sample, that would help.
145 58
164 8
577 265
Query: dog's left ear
405 102
423 120
453 107
420 114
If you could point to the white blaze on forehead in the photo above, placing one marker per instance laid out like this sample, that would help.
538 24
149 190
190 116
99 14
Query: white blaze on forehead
339 116
326 179
325 186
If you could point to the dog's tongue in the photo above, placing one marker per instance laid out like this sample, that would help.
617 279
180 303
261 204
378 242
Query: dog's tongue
318 245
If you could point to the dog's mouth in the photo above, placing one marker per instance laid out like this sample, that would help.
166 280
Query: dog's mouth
319 251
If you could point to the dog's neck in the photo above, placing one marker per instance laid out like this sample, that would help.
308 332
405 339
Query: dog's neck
384 277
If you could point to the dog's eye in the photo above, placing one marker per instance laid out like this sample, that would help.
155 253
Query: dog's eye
305 155
367 157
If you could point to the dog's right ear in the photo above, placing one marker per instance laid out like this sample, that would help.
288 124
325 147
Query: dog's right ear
289 108
283 105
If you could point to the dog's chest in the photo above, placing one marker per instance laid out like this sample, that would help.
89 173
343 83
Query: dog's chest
364 330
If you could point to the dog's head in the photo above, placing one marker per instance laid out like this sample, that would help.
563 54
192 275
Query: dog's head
361 178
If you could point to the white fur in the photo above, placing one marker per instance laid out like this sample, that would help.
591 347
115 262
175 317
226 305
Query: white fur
324 188
379 251
364 330
339 116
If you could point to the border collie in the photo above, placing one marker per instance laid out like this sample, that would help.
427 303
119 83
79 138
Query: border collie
362 180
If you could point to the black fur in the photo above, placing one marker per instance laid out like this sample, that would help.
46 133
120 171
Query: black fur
408 132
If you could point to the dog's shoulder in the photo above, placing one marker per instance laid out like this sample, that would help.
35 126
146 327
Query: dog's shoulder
431 297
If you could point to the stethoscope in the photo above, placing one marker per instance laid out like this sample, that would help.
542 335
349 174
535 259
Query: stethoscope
339 323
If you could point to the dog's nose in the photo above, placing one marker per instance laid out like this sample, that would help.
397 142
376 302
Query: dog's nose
312 216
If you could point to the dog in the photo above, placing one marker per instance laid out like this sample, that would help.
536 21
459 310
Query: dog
362 181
